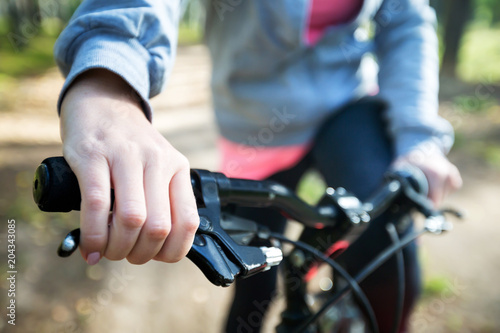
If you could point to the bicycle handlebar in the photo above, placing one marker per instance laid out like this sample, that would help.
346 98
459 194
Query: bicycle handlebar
56 189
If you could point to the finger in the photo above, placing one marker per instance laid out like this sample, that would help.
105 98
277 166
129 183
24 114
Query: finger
453 180
185 219
456 181
94 181
129 213
436 188
158 223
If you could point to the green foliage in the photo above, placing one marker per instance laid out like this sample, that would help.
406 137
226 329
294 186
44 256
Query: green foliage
488 151
487 11
4 27
435 286
34 59
469 104
189 35
311 187
479 57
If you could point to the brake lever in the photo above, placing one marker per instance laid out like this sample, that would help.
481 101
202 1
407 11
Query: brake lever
210 258
217 255
204 253
69 244
415 188
249 260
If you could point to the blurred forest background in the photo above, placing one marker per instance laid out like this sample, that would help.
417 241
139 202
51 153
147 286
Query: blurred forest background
49 301
28 29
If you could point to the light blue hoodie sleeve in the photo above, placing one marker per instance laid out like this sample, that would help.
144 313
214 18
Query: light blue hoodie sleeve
407 52
135 39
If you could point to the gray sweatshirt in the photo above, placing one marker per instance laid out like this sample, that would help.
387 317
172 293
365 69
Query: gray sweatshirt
263 68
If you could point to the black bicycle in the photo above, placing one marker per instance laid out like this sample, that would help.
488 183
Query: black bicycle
221 247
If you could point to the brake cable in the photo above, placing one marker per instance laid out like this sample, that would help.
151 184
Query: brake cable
373 265
400 271
352 283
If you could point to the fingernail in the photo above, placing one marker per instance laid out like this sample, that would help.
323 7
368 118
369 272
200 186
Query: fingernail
93 258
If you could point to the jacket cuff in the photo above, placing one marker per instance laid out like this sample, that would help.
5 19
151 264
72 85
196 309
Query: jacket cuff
125 57
422 143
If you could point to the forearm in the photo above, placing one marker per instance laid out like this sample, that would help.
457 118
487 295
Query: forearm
407 51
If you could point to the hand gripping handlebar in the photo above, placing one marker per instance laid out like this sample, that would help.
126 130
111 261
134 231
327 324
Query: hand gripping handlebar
220 258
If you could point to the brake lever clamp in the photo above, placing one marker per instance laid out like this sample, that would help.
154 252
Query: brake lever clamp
218 256
350 207
437 224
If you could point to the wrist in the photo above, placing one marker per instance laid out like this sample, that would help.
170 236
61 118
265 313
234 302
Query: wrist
101 82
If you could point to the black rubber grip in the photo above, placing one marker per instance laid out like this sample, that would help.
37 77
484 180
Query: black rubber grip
415 176
55 187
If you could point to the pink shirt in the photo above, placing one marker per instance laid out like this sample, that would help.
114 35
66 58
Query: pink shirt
327 13
242 161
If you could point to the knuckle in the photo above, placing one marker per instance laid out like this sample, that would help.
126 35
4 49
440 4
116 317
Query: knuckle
97 200
91 149
131 216
434 175
94 241
114 256
158 233
192 223
173 258
183 162
170 256
136 261
155 155
123 152
132 220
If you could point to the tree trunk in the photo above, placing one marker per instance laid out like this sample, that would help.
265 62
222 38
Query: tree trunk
458 14
24 22
14 17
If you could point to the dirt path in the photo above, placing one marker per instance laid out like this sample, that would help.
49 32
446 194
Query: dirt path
58 295
467 262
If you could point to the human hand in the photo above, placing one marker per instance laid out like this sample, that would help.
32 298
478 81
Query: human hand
442 176
109 143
